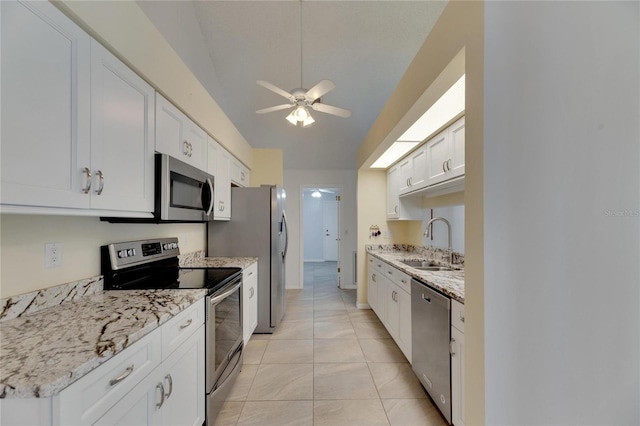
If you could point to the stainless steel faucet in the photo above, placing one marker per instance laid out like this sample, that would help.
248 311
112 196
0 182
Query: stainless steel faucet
426 234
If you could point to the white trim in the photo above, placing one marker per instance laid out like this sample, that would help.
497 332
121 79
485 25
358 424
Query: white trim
363 306
313 260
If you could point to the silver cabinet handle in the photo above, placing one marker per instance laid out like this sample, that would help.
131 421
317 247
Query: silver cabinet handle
185 148
403 281
249 274
452 347
186 324
444 166
87 185
373 278
161 403
449 162
389 272
170 380
101 187
461 318
252 291
396 209
190 149
121 377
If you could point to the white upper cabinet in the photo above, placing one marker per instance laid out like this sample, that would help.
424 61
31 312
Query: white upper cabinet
220 167
122 137
77 124
178 136
413 171
400 208
45 107
445 154
239 173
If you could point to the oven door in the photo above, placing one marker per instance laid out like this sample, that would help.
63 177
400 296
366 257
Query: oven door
183 192
223 330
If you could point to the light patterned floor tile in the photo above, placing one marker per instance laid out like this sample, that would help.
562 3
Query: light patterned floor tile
396 380
288 352
277 413
366 329
337 350
349 413
333 330
412 412
282 382
381 350
229 414
254 350
294 329
343 381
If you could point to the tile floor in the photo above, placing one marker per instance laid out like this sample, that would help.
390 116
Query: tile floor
328 363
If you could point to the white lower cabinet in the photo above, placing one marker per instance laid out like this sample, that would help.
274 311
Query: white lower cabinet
457 363
139 386
390 298
249 301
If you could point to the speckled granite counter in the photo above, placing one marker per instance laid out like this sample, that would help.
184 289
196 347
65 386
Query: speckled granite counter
219 262
44 352
450 283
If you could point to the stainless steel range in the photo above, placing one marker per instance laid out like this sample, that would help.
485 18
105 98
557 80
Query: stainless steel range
153 264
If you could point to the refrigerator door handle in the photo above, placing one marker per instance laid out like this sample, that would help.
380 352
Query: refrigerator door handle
286 235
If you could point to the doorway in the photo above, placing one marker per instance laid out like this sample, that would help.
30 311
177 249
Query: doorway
320 234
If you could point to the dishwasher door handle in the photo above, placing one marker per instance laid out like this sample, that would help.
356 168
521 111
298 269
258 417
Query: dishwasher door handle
426 298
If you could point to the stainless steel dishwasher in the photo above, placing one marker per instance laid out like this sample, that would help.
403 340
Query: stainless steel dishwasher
430 337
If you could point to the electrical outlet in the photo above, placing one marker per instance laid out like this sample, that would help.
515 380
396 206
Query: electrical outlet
52 255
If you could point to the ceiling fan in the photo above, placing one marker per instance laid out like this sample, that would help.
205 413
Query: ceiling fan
302 99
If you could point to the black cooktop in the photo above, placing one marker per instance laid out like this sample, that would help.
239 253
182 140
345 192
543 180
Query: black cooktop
153 264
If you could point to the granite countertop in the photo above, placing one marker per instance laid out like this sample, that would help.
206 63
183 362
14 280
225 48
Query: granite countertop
219 262
44 352
450 283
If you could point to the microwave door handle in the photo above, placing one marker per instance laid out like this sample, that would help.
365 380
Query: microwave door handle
210 185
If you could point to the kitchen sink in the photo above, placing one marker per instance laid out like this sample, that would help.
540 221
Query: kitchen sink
427 265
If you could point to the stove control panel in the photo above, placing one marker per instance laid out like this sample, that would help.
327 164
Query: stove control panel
132 253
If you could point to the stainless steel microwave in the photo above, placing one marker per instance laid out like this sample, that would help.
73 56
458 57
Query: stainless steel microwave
183 193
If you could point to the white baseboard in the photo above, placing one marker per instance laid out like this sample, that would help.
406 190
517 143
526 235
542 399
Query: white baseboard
363 306
349 287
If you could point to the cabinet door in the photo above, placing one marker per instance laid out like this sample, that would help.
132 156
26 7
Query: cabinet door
197 140
457 377
419 174
372 291
239 173
392 305
437 156
170 129
222 193
249 301
45 107
406 170
122 135
456 144
393 187
182 378
404 323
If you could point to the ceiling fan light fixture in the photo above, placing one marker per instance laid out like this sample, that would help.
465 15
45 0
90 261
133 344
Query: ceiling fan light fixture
308 121
301 113
291 118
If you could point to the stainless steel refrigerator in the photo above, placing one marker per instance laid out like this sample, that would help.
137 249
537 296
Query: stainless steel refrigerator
258 228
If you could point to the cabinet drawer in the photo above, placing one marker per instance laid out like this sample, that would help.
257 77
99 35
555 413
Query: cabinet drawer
179 328
378 265
457 315
86 400
398 277
250 273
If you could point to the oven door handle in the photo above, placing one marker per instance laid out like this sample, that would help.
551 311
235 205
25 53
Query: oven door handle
217 298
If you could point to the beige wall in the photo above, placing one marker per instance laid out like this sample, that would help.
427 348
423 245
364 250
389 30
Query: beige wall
24 237
461 26
267 167
124 28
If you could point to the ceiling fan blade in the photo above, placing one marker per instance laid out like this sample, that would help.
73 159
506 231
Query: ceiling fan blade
274 108
324 86
276 89
340 112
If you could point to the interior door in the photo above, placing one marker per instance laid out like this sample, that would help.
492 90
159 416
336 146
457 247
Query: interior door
331 234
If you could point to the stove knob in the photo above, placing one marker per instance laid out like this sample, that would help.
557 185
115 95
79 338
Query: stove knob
130 252
175 245
165 246
122 254
134 251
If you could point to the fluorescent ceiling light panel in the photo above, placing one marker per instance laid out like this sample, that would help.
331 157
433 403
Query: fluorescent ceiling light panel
444 109
394 152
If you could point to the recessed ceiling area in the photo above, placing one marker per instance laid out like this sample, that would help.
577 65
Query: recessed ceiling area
364 47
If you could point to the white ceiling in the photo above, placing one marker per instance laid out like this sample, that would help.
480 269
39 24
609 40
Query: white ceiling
364 47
